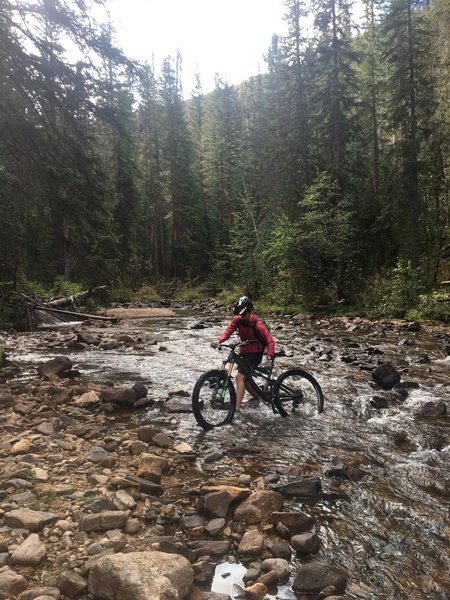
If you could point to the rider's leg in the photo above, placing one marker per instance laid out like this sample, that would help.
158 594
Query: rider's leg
240 389
251 390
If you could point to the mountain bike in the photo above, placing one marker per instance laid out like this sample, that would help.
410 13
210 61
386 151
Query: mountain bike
293 392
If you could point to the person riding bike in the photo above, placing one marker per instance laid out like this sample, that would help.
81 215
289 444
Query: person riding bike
253 330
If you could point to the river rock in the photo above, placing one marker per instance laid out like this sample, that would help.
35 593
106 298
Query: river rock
432 410
295 522
32 520
257 591
215 504
204 572
121 396
140 390
30 552
280 565
258 507
88 399
306 543
37 592
212 548
105 520
53 368
71 584
307 489
11 583
251 544
6 401
152 466
140 576
312 578
386 376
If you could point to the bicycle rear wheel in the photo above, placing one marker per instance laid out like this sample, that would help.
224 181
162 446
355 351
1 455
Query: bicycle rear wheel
213 399
298 393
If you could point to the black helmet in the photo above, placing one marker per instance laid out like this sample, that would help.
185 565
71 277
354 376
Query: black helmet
244 303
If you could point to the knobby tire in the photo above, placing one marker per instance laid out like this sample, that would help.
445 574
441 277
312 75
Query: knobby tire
297 392
210 406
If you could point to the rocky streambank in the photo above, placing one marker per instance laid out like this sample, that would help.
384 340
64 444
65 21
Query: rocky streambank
95 505
104 494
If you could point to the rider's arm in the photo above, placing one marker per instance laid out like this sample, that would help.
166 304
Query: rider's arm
233 325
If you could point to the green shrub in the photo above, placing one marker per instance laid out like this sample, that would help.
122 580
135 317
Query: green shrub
395 293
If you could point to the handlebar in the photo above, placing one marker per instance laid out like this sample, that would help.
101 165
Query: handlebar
218 346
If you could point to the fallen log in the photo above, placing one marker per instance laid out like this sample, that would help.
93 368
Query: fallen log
63 301
70 313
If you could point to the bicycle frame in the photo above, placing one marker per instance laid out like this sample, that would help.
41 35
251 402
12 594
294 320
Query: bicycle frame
233 358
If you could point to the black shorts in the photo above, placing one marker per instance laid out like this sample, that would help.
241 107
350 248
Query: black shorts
253 359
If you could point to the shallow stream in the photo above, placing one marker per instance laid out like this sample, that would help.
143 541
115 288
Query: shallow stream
388 525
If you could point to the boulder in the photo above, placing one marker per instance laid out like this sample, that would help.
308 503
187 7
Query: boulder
386 376
52 369
140 576
312 578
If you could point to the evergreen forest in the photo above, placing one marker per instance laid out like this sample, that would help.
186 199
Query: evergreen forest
321 183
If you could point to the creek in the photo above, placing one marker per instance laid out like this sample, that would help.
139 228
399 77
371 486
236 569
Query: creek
384 514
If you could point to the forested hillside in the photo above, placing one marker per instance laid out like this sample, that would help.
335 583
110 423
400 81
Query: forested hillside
323 181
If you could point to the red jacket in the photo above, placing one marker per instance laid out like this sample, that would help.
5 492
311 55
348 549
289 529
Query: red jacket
246 331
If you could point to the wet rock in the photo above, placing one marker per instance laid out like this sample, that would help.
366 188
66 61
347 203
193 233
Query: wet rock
295 522
178 405
215 526
279 548
204 572
173 547
258 507
215 504
386 376
350 472
432 410
252 544
152 467
140 389
270 578
257 591
279 565
210 548
162 440
154 575
312 578
306 543
146 433
120 396
51 369
307 489
379 402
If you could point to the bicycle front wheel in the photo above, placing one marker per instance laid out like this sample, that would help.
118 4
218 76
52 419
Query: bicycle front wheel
297 392
213 399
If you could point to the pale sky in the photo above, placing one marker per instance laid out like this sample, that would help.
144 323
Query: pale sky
228 37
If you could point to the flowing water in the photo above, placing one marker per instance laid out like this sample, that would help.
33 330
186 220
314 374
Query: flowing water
384 515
